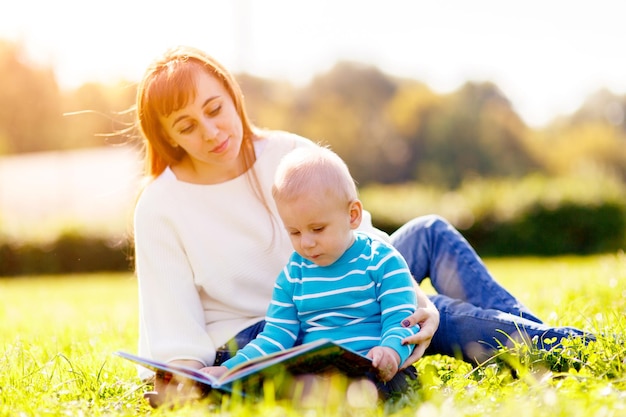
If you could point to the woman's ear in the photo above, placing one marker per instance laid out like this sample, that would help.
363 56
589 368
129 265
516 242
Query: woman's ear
356 213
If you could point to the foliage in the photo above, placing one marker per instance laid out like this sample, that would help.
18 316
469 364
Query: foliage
567 228
474 133
29 103
589 141
59 335
267 102
95 115
343 109
389 130
36 116
533 215
69 253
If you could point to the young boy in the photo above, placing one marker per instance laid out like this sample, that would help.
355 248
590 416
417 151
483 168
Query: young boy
339 284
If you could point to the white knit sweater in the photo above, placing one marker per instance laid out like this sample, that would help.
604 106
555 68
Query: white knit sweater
207 257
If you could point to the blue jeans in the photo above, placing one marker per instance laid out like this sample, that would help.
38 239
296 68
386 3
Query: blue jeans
477 313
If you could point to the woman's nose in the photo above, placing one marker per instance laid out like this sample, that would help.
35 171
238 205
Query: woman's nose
209 131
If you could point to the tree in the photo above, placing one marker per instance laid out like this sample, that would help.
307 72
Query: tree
474 132
30 112
94 113
343 108
408 114
267 101
592 139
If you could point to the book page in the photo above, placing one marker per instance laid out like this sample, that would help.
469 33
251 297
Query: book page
315 357
183 371
312 358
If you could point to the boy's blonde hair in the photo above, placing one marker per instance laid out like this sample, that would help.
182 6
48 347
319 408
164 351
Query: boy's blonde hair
317 168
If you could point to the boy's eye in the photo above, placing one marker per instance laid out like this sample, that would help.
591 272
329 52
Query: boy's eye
318 229
294 233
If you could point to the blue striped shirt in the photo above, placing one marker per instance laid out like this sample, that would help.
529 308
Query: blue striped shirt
358 301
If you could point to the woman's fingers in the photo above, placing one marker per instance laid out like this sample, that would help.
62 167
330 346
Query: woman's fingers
171 389
427 318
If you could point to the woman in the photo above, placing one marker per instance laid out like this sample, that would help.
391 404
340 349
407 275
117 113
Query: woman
209 242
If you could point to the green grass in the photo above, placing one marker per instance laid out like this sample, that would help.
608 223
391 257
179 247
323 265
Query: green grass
58 335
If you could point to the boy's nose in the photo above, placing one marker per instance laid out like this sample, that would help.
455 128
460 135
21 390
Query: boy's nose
307 241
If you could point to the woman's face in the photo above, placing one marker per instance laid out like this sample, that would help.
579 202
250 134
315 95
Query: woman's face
208 127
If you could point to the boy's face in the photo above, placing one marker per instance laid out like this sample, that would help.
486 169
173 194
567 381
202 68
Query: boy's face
320 227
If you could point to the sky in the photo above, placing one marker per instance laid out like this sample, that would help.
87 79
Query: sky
546 56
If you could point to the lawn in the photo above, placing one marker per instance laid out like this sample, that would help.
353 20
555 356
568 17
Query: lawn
59 333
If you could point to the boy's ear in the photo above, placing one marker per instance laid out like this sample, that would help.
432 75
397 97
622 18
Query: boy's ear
356 213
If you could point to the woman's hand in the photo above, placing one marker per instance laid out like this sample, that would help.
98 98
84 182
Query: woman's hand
216 371
170 388
427 317
385 360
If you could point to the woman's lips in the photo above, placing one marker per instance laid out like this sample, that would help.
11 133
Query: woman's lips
221 147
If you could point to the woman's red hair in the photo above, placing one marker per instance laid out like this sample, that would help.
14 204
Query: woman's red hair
168 85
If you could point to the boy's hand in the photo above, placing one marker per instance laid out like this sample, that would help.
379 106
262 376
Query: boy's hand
385 360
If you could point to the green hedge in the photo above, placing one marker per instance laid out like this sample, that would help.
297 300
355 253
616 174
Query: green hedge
70 253
567 229
546 231
532 216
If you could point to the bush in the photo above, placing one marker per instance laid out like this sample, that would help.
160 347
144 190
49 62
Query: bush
70 253
567 229
533 216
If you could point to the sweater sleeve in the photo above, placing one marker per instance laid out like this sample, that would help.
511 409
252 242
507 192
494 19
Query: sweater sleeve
281 325
171 321
397 301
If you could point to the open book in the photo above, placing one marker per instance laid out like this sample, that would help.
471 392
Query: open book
311 358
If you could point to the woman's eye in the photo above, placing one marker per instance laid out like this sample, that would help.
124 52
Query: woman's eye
214 110
187 129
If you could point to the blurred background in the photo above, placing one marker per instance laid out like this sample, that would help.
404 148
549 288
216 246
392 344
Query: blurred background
505 117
